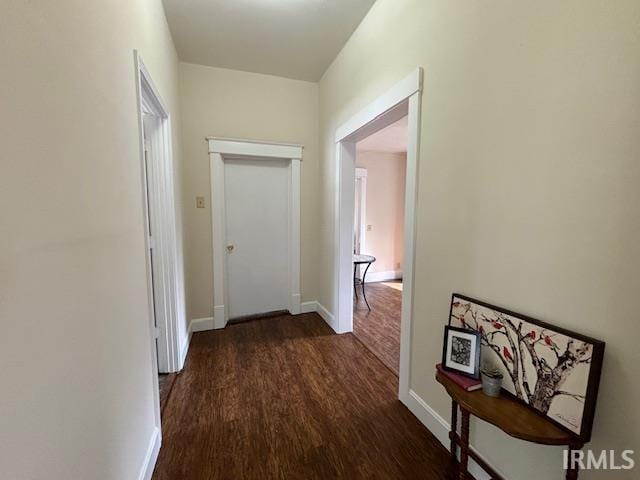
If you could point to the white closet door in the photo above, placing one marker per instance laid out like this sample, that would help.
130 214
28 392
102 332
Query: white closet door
256 215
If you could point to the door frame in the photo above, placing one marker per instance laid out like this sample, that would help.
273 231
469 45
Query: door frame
361 173
164 280
220 149
404 98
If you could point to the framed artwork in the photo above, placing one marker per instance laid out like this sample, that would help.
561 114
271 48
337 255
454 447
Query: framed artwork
553 370
461 351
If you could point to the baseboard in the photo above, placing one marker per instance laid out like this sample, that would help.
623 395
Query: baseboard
294 304
185 346
201 324
219 317
439 427
208 323
327 316
308 307
150 458
383 276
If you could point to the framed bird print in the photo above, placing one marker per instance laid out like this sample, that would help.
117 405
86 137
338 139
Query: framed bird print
554 371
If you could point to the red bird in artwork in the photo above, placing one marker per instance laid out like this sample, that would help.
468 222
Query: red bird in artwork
507 354
532 335
497 325
481 329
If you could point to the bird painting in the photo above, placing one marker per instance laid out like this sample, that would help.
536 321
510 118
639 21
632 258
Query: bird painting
544 368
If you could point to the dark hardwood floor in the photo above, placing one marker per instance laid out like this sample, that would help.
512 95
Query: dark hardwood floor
165 384
379 329
286 398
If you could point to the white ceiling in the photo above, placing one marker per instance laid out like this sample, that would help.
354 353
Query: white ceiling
289 38
392 139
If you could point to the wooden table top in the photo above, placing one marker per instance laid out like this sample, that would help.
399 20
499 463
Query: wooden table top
509 415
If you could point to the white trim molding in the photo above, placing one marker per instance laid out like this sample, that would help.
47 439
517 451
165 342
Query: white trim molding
201 324
440 428
327 316
185 346
151 456
397 94
383 276
403 99
164 278
221 149
361 174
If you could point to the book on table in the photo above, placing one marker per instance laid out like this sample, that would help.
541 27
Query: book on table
466 383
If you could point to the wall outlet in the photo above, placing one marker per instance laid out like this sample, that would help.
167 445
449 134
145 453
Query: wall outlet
369 228
199 202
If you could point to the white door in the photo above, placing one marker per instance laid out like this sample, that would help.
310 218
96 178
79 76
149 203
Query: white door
257 216
151 205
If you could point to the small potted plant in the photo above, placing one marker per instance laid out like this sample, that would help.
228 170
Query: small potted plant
491 380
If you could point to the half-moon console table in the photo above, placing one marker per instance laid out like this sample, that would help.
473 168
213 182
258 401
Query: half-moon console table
506 413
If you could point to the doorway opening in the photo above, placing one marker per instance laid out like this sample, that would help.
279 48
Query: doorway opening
400 101
381 164
164 280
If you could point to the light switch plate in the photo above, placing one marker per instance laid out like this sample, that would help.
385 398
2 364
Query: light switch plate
199 202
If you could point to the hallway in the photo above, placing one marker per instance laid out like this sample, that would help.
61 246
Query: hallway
286 398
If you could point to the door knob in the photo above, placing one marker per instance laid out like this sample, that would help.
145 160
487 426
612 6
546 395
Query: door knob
230 248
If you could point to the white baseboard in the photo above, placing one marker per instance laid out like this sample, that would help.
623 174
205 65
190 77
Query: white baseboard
201 324
327 316
185 346
208 323
308 307
219 317
294 304
383 276
150 458
439 427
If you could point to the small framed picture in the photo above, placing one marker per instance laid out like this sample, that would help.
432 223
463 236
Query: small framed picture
461 351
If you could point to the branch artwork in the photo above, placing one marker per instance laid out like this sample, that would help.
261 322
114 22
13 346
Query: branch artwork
548 370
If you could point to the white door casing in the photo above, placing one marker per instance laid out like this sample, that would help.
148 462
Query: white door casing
165 282
257 243
360 218
221 151
402 99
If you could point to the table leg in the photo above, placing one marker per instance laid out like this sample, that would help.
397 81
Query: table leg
464 448
364 275
572 470
454 430
355 289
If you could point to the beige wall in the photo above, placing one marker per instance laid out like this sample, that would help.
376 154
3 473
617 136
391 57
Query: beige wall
229 103
385 208
75 347
528 181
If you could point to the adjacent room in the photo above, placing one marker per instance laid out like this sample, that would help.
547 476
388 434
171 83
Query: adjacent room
381 167
319 239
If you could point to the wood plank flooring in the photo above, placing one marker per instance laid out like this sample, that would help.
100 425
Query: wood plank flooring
379 329
286 398
165 385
